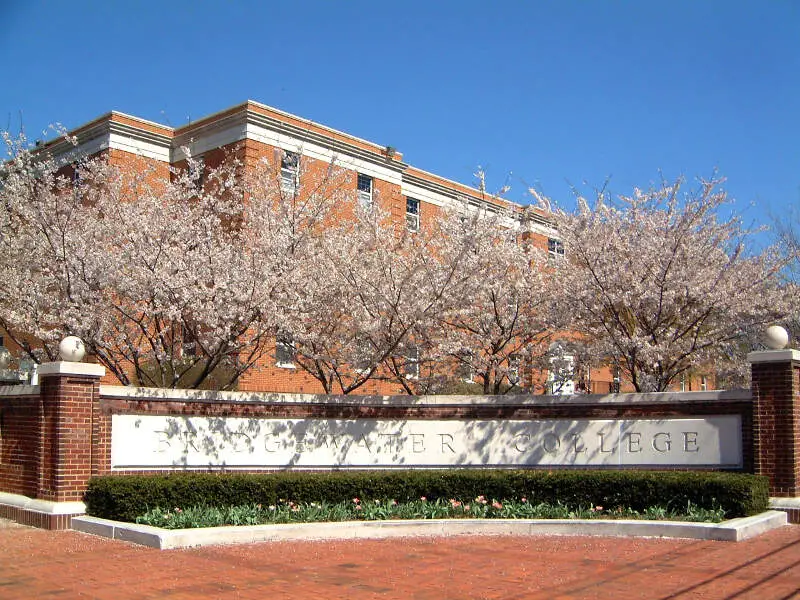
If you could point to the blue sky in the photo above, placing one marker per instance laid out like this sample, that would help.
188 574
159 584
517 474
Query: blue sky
554 93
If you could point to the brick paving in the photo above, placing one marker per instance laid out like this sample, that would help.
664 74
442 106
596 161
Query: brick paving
65 564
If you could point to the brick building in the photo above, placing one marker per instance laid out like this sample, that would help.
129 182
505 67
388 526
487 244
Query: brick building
253 131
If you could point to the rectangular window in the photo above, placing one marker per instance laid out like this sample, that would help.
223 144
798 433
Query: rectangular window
514 362
616 380
284 350
365 190
703 383
411 363
555 248
412 214
464 369
290 171
363 356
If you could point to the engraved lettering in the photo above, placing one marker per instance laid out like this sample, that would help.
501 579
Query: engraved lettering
274 441
392 442
189 441
240 441
417 443
517 441
662 442
364 443
163 441
603 449
577 444
690 442
446 440
634 442
551 443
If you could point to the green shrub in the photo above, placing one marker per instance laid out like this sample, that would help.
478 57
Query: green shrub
124 498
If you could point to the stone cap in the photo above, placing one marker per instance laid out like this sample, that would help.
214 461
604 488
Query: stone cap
71 368
774 356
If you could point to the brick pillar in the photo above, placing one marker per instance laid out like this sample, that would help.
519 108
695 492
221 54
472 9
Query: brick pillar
68 392
776 419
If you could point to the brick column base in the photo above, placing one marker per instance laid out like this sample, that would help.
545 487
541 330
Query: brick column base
68 393
776 419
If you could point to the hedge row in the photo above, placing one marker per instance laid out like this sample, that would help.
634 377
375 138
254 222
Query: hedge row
123 498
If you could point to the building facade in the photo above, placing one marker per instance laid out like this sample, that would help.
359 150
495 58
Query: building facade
252 131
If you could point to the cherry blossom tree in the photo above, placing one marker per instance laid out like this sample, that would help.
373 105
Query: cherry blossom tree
371 288
171 281
660 282
504 314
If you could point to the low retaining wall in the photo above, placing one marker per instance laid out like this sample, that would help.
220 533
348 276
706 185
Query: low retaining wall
166 430
55 436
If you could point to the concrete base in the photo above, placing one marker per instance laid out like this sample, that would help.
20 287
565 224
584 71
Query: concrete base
39 513
734 530
791 506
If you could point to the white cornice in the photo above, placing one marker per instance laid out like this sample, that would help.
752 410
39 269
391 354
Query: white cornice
623 400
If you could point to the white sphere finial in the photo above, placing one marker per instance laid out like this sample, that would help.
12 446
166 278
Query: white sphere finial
71 349
776 337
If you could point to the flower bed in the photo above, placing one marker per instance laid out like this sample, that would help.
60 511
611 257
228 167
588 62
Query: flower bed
377 510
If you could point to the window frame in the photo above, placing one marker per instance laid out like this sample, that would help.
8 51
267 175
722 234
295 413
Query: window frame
412 216
555 248
284 349
411 362
290 174
365 197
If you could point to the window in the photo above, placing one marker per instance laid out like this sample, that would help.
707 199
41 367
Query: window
555 248
683 382
412 214
464 368
284 350
411 362
363 356
290 171
365 190
513 368
616 380
703 383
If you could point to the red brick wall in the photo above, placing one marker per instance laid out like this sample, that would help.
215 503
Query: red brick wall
64 436
776 394
19 444
66 441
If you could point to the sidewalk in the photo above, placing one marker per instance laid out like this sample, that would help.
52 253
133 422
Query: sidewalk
65 564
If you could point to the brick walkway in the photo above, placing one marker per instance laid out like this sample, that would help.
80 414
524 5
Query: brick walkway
65 564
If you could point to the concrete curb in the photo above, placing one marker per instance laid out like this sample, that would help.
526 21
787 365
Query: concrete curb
734 530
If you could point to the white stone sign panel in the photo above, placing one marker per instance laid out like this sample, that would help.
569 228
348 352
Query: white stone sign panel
163 442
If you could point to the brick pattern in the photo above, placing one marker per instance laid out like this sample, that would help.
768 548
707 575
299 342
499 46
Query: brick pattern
792 514
37 564
19 444
776 430
36 519
66 441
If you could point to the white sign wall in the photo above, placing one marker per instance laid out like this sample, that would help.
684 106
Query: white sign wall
159 442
